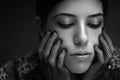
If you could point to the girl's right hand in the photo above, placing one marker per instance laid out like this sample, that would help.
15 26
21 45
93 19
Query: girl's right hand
103 57
52 58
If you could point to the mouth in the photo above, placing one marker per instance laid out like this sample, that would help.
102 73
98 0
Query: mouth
81 56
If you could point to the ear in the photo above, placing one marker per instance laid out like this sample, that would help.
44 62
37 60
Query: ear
39 26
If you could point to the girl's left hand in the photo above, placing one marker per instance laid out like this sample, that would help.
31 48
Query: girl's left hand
103 56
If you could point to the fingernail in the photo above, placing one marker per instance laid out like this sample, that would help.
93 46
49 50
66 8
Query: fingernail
55 33
59 41
64 50
48 33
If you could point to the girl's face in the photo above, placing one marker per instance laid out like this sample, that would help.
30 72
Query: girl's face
79 24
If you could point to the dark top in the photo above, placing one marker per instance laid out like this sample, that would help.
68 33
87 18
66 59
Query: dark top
28 67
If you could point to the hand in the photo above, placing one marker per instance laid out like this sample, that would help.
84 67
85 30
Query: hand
52 58
103 56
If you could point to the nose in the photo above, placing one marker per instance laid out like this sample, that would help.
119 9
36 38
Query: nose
80 35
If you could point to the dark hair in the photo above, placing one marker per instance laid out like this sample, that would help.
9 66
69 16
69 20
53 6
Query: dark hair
104 5
44 7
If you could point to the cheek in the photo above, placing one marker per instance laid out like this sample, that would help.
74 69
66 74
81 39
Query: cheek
94 35
66 35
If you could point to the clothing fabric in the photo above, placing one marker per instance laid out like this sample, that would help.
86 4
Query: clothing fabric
28 67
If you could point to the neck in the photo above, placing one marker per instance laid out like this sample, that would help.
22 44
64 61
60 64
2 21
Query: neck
76 76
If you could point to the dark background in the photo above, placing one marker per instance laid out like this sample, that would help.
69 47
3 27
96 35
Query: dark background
18 34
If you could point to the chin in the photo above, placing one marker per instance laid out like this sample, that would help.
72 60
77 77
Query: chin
78 68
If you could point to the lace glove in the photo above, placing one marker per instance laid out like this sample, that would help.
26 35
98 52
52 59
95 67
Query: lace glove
52 58
103 53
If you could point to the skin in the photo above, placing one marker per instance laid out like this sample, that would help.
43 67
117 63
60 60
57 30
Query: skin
82 33
73 20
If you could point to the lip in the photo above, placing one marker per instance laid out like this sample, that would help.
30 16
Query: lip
80 53
81 56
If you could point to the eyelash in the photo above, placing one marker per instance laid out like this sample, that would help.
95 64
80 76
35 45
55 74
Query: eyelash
65 26
94 26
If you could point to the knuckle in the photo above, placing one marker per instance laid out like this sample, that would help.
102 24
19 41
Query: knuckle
51 62
46 54
56 47
51 40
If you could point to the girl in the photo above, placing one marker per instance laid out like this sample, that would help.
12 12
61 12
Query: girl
73 44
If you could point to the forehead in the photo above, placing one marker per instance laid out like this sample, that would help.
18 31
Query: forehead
79 7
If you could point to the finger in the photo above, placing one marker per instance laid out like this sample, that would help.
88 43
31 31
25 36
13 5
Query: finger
108 40
107 60
99 54
43 42
105 47
54 53
49 44
61 59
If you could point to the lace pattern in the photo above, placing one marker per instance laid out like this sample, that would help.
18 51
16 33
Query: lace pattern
115 60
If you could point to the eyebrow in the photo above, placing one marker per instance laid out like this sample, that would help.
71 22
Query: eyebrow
96 15
71 15
65 14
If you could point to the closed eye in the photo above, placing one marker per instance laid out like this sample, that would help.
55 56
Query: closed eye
65 26
95 26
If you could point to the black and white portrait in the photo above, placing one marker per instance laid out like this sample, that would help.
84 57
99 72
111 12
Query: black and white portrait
60 40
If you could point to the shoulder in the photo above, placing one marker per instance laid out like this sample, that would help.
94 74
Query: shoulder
113 68
7 71
115 60
27 63
19 67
